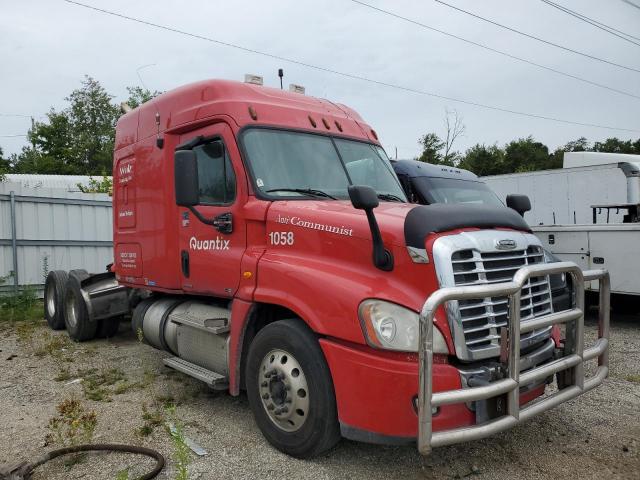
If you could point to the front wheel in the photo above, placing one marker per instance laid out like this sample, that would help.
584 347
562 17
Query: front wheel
290 390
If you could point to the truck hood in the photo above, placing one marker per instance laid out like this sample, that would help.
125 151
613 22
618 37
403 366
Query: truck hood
402 224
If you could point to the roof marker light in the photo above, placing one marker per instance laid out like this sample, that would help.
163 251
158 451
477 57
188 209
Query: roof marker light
338 126
296 88
253 79
253 113
312 121
326 124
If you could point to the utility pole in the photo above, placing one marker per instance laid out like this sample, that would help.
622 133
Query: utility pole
33 143
280 74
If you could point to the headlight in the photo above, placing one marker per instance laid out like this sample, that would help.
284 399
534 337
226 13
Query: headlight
392 327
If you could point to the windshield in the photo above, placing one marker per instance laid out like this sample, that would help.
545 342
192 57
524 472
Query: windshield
292 164
451 190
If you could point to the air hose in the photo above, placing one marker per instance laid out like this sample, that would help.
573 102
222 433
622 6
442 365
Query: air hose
24 470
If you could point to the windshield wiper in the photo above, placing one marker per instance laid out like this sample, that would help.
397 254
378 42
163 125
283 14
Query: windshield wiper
314 192
390 197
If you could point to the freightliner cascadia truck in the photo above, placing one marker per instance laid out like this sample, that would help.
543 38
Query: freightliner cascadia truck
262 239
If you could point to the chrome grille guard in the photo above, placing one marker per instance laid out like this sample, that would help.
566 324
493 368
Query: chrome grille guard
574 318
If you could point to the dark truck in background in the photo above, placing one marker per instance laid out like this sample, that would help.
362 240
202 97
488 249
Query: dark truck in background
428 184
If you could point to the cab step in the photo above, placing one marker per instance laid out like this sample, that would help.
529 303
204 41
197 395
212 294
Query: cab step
211 378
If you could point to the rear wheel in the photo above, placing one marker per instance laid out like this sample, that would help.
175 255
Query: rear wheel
76 316
54 290
290 390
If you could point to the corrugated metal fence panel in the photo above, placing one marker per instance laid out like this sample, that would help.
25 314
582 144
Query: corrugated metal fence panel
55 230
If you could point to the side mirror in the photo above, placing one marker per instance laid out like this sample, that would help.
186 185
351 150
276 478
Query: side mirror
186 178
520 203
365 198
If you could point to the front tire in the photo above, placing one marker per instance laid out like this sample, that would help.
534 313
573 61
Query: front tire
290 390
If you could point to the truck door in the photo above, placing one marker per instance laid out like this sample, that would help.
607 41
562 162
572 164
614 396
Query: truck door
210 255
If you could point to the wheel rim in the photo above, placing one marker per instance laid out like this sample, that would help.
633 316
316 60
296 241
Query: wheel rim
71 312
284 391
51 299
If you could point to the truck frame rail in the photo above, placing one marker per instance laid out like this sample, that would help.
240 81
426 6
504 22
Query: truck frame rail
574 358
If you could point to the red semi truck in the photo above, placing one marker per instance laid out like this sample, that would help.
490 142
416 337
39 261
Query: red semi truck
262 239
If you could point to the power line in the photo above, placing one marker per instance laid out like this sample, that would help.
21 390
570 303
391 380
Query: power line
500 52
14 115
533 37
12 136
635 5
345 74
593 22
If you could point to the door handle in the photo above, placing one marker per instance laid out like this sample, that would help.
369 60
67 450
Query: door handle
224 222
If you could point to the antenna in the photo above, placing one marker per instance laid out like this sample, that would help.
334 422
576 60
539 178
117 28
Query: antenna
280 74
159 140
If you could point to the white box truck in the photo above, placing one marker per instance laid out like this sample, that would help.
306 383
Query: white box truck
588 213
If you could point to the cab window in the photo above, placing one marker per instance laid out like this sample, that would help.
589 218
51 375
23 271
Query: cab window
216 178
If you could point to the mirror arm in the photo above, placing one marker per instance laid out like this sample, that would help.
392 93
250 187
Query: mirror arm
382 258
223 223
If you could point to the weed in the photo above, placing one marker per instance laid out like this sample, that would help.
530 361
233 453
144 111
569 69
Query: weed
123 474
25 331
53 345
633 378
21 305
63 375
140 335
152 418
72 426
94 383
181 455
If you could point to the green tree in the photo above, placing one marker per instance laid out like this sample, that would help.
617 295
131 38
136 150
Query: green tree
77 140
431 148
579 145
525 154
4 165
484 160
614 145
139 95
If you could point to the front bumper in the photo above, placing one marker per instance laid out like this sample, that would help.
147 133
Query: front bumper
570 367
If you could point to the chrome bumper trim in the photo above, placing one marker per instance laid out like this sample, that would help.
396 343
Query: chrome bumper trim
427 439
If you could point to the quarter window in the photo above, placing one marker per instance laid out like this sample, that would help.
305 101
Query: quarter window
216 178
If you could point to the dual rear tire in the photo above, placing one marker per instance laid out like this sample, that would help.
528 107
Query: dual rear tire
65 307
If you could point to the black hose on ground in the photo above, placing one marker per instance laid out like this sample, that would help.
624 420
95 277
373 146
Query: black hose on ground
23 471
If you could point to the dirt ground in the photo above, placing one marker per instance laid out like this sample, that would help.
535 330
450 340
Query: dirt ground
594 436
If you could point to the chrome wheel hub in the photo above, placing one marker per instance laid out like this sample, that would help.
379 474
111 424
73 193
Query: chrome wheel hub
283 389
50 295
71 314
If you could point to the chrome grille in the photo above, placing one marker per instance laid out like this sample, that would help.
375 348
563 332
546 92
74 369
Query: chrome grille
482 319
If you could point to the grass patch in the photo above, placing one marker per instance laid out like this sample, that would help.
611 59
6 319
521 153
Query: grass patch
633 378
53 345
95 383
21 306
73 425
152 417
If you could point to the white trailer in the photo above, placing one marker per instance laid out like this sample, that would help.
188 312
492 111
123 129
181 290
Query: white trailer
564 196
587 212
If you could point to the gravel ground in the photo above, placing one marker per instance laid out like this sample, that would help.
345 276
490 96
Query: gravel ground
594 436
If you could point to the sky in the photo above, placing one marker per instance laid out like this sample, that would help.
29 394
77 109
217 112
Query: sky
47 46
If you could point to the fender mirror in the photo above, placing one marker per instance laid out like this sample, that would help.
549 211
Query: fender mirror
186 178
520 203
365 198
